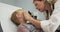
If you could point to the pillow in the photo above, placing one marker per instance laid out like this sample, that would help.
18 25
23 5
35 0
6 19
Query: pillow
5 14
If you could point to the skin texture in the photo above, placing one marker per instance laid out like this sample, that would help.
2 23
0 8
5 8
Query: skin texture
39 5
43 6
18 18
33 21
21 19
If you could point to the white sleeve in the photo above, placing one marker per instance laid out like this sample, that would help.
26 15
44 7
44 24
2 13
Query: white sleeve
52 24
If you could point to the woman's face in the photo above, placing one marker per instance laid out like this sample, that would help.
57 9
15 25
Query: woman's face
39 5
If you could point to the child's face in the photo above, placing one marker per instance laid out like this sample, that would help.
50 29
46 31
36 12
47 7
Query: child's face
20 17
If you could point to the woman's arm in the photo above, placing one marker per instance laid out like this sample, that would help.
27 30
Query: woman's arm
36 23
47 25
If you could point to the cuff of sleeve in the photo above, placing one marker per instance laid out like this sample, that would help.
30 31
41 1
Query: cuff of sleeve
44 24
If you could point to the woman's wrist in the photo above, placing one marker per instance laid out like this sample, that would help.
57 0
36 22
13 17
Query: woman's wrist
31 19
36 23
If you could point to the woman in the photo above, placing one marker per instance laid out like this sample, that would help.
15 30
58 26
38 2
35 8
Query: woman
47 25
46 7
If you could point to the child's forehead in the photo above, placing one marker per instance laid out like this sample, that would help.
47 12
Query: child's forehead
20 11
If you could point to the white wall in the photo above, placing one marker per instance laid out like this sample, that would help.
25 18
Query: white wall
25 4
5 14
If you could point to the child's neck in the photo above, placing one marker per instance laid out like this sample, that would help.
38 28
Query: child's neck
22 22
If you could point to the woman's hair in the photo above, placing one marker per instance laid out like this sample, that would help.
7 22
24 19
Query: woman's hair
36 0
14 18
50 1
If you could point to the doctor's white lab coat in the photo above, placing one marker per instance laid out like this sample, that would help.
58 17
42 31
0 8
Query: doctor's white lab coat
53 23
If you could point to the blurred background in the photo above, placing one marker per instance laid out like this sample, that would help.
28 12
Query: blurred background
27 5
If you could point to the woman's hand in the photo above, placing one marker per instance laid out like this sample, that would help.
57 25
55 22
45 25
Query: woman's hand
27 16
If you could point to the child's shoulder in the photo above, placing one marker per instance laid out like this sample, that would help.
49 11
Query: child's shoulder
22 25
22 28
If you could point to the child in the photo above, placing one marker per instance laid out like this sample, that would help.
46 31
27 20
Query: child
18 18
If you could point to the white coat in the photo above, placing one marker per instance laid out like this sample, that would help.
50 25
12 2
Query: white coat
53 23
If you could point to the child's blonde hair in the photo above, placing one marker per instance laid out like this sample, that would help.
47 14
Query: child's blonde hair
14 18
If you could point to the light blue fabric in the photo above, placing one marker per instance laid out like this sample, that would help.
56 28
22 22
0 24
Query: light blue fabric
30 27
